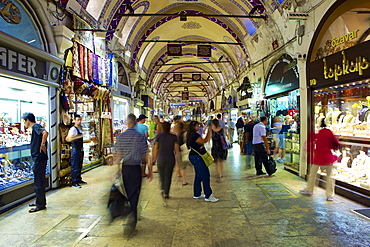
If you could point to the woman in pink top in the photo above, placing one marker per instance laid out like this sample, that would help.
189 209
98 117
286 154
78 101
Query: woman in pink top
323 158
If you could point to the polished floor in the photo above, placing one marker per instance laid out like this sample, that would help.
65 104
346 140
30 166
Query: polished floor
252 211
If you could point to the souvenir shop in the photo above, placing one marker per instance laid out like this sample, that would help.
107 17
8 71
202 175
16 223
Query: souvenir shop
338 77
29 77
282 92
89 73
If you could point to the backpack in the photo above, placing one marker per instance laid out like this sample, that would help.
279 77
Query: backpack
240 123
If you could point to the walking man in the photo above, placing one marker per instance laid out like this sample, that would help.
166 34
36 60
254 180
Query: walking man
77 155
261 147
40 158
132 149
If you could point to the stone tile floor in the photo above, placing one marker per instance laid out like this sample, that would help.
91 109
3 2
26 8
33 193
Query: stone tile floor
252 211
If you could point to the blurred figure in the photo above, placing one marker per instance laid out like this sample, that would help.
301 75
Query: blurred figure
323 158
165 152
248 137
277 125
231 130
142 129
217 151
240 128
132 149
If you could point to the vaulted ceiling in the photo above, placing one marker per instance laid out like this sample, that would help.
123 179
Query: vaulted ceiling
141 30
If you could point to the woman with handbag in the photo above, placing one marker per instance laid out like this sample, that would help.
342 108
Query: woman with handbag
218 151
195 142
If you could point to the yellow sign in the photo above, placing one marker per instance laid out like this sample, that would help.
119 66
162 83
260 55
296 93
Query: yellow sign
347 67
349 36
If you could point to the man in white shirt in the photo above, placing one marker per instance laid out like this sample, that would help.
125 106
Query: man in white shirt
261 147
77 154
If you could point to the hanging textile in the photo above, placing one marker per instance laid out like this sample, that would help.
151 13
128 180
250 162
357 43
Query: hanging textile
75 61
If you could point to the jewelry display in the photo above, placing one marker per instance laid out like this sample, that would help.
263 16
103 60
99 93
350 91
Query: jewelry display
349 119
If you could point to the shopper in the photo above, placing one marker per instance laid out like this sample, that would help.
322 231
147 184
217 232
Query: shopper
261 147
142 129
202 175
248 138
165 152
231 130
323 158
181 164
40 158
132 148
77 154
217 150
240 128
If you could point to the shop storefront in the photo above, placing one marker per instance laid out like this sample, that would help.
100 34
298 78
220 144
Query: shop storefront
88 75
282 92
29 76
339 76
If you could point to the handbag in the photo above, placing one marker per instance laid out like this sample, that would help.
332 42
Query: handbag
207 157
225 142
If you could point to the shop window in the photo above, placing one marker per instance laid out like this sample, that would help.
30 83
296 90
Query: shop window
18 23
346 111
16 98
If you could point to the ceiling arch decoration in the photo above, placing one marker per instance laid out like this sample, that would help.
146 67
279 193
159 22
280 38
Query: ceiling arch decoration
164 53
169 18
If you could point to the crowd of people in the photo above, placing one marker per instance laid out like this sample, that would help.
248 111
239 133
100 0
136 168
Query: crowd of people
176 145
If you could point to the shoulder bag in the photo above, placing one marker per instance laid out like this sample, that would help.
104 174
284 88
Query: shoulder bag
207 157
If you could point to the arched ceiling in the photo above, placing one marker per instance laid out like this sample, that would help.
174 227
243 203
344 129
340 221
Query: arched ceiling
143 28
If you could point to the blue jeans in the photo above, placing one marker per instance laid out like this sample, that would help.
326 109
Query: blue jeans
201 175
76 165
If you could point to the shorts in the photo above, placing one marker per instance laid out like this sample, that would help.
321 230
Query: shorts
281 141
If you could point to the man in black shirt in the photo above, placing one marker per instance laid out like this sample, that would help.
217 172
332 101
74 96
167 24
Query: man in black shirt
248 137
40 159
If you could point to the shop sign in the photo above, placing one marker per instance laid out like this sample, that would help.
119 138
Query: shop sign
184 95
177 77
196 77
280 80
20 63
349 65
350 36
204 51
148 101
174 51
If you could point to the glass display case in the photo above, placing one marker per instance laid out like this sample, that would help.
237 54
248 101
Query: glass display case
292 151
17 97
345 110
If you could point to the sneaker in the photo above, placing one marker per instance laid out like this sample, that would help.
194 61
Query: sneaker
82 182
200 197
211 198
76 186
305 192
330 199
